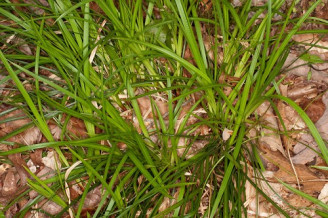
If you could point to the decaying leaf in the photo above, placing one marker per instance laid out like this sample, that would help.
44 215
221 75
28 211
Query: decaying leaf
314 109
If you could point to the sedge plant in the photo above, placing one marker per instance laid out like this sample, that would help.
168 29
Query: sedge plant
102 50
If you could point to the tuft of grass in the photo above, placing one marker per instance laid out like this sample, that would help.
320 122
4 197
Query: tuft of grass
100 57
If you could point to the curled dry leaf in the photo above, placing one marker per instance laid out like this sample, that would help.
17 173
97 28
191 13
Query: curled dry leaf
226 134
52 161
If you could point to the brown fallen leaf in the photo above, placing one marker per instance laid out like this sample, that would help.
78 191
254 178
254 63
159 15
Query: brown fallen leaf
50 207
9 185
311 182
75 128
93 199
36 157
20 166
314 109
146 109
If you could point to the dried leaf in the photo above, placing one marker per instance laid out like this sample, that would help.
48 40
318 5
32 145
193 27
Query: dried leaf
93 198
146 109
50 207
9 184
323 196
312 39
52 161
19 164
226 134
270 138
307 178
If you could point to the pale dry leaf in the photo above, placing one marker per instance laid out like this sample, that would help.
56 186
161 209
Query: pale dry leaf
146 109
300 91
296 66
3 168
323 196
52 161
167 202
226 134
31 166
